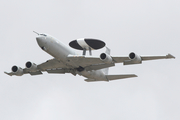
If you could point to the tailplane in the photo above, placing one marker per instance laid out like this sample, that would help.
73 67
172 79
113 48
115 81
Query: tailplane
115 77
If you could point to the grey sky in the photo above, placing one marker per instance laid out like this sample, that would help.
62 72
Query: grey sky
145 27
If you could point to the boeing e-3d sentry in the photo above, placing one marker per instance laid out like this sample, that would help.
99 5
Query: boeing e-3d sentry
94 68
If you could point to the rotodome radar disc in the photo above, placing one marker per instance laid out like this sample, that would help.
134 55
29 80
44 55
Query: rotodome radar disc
86 43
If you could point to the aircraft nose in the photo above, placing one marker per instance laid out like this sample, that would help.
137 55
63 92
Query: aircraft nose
39 39
41 42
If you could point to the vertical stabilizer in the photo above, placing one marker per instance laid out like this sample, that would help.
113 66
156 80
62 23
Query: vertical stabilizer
106 70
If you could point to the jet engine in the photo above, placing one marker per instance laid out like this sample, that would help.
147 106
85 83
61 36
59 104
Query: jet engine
134 59
106 58
31 66
17 70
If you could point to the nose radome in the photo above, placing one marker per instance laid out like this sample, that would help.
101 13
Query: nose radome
40 40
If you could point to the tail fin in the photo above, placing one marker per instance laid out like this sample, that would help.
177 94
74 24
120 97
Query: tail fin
106 70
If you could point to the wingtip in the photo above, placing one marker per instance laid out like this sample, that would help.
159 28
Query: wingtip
170 56
133 75
7 73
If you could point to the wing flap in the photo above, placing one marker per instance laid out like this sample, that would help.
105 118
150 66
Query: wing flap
62 71
36 73
99 66
91 80
50 64
59 71
84 61
118 59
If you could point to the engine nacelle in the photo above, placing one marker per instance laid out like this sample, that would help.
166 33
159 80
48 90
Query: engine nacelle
106 58
134 59
31 66
17 70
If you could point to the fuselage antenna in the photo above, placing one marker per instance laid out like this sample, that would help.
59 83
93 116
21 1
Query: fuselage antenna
36 32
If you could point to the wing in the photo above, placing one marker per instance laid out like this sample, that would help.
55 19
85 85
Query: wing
51 66
55 66
89 62
84 61
95 63
169 56
136 59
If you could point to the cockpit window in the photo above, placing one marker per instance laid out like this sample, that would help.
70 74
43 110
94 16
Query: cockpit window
43 35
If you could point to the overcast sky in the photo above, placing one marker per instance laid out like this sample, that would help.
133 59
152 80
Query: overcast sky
150 27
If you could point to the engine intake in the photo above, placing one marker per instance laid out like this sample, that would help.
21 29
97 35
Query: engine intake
134 59
132 55
106 58
17 70
31 66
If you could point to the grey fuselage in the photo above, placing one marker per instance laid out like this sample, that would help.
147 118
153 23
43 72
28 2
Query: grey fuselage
61 51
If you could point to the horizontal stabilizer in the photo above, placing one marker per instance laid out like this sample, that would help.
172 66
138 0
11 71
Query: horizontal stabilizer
114 77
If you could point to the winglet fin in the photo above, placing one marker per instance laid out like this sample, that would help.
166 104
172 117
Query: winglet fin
170 56
8 73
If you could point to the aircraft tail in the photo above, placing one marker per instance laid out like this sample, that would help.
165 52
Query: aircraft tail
113 77
106 70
